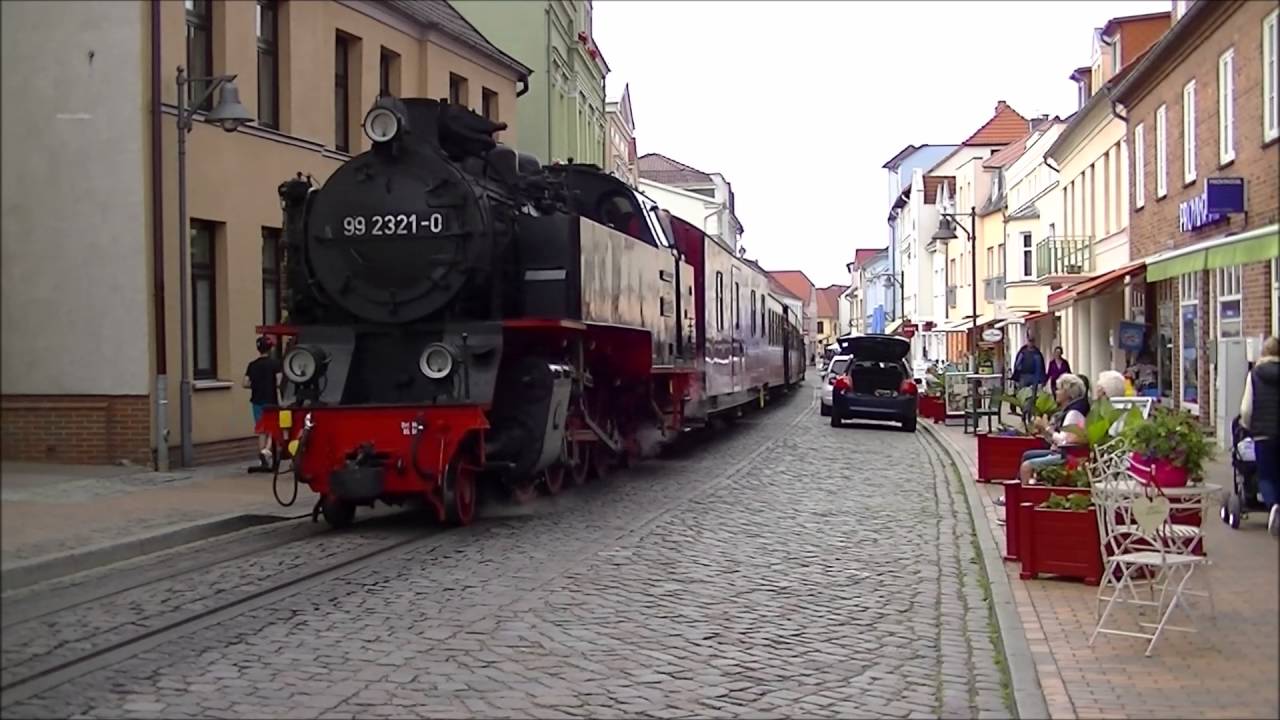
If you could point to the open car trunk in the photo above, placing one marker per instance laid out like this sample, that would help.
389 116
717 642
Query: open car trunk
875 378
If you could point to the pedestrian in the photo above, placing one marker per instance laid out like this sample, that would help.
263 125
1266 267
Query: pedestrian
262 378
1058 367
1028 371
1260 414
1073 397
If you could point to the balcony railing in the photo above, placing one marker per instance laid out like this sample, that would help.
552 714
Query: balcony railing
1063 256
951 296
993 288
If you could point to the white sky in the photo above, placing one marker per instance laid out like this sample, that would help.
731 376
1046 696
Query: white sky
798 104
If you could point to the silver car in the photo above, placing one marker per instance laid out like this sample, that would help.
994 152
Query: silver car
837 367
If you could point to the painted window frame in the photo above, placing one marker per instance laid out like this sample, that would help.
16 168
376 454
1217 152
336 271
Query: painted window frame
268 37
1140 166
1189 297
1189 132
1162 152
1028 255
719 300
202 274
1271 77
1228 282
342 93
199 21
1226 107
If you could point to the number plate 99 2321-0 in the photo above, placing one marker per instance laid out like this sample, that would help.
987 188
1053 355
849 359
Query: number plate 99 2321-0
393 224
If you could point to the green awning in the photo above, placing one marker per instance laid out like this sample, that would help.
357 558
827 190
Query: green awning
1254 246
1263 246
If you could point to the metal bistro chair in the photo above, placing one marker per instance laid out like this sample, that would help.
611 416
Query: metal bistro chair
1142 545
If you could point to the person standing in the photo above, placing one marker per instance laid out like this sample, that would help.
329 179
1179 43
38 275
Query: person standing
1260 414
1028 366
1058 367
262 378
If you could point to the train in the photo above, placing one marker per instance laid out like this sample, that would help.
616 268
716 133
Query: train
462 318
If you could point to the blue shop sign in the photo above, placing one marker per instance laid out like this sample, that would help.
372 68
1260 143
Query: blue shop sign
1194 214
1224 195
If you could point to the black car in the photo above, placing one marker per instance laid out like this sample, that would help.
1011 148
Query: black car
876 384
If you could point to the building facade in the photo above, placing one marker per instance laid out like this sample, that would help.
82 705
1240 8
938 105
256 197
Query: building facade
1202 111
563 112
798 285
620 145
901 170
828 326
703 199
100 128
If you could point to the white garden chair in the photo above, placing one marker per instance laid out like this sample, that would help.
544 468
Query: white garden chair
1140 542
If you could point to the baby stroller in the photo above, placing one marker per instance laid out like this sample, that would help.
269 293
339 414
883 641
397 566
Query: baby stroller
1244 478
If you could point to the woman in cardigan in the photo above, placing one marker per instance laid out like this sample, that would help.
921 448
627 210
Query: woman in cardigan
1058 367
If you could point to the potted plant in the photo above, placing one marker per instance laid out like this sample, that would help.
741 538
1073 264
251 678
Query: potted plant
931 405
1168 449
1000 453
1059 536
1068 479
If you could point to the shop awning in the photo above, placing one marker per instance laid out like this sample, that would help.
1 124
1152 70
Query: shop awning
1059 299
954 326
1022 319
893 327
1253 246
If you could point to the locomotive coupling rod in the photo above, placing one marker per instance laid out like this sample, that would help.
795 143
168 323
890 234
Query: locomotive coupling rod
609 442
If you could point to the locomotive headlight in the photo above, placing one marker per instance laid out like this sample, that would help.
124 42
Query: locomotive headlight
301 365
381 124
436 361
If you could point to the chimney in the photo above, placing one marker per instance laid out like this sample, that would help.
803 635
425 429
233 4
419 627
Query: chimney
1001 104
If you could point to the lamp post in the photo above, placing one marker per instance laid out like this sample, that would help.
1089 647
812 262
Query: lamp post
229 114
947 225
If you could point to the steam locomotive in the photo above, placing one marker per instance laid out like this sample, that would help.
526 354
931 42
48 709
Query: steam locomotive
464 316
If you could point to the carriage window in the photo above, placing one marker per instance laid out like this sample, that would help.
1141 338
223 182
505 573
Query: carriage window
719 300
737 306
618 211
753 313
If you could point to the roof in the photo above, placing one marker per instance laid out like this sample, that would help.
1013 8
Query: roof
829 300
660 168
622 107
442 15
903 154
932 183
795 282
1014 150
1005 126
1176 39
778 288
866 255
1109 29
1107 92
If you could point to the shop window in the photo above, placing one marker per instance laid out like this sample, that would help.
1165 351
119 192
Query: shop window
1230 302
1166 335
1189 341
204 298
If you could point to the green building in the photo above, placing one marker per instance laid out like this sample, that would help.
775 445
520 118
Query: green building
563 114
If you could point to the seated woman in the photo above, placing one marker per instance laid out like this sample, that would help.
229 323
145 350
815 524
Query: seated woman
1073 398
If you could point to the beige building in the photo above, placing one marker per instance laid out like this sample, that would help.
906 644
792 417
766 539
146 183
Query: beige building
90 201
620 139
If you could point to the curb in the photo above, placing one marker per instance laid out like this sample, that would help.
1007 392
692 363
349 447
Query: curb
52 567
1028 696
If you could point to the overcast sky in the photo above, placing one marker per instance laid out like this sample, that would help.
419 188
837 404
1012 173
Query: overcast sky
798 104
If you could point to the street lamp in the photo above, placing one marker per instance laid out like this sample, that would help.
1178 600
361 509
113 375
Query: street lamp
229 115
947 225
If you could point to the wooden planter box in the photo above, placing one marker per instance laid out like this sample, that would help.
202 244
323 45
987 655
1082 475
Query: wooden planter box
932 408
999 456
1060 542
1015 493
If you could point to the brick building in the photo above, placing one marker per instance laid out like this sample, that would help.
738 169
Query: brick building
1201 108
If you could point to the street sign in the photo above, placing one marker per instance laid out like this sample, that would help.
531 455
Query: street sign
992 335
1224 195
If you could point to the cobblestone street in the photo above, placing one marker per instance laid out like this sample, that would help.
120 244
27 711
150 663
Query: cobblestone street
784 568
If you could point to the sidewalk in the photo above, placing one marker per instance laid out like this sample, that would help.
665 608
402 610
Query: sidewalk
70 515
1230 669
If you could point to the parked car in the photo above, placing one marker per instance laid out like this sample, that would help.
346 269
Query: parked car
876 383
838 364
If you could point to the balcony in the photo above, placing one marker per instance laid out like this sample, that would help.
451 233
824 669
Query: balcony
951 296
993 288
1062 259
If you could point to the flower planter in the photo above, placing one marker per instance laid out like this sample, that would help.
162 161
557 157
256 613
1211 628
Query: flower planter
999 456
1015 493
931 408
1060 542
1157 471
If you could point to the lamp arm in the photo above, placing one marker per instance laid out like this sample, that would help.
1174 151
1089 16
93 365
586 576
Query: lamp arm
214 81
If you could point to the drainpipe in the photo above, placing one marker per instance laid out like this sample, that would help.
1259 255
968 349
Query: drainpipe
1115 112
551 80
160 401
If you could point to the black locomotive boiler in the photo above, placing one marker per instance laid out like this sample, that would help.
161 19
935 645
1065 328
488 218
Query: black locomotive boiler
463 314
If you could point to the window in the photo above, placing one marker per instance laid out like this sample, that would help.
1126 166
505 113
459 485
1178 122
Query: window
199 51
1179 9
1189 341
1226 107
762 313
1162 151
204 315
489 104
1139 166
1028 256
272 297
388 73
1115 55
1270 77
821 328
753 313
268 64
1189 132
1230 311
458 90
719 300
737 306
341 107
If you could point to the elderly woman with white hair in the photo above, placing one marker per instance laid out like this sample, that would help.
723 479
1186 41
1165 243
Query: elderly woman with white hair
1073 398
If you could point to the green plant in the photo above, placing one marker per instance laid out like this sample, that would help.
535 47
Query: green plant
1173 436
1097 425
1042 405
1077 502
1066 475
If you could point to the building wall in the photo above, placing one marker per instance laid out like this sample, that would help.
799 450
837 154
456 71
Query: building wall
618 160
690 207
1154 225
1093 190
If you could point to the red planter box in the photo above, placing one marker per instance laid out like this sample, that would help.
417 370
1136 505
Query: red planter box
931 408
1060 542
999 456
1015 493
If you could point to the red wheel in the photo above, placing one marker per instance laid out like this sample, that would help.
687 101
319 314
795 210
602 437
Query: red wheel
579 462
553 479
460 493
